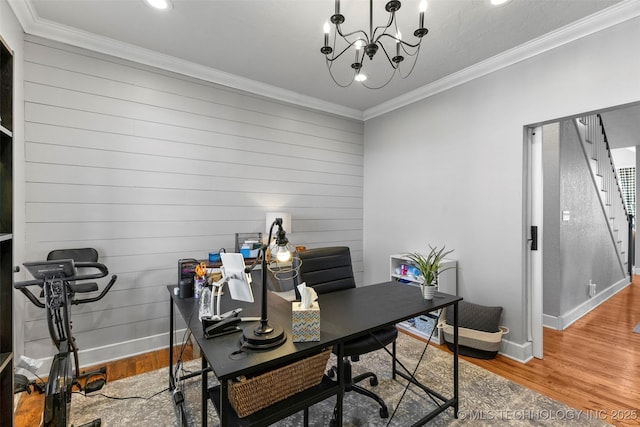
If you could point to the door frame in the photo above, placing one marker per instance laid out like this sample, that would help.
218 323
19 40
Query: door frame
534 209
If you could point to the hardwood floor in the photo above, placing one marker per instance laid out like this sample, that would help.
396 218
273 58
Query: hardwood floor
29 410
593 366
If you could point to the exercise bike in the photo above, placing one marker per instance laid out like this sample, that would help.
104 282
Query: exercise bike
60 283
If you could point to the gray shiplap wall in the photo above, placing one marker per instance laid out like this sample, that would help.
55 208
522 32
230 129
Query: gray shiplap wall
149 167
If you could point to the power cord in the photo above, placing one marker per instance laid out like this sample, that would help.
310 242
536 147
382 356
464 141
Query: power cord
411 374
123 398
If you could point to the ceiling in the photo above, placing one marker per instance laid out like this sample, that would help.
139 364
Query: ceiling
272 47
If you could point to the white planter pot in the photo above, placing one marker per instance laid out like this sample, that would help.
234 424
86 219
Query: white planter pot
428 292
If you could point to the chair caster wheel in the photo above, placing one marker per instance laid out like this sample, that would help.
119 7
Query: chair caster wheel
334 423
373 381
330 373
384 413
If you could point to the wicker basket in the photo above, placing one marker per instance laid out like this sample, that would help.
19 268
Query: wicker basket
249 395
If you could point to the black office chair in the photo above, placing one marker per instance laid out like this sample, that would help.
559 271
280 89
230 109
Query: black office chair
327 270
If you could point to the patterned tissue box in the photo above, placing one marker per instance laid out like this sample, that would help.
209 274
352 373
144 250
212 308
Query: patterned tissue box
306 322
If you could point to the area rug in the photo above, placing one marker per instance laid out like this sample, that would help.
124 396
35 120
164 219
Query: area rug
485 398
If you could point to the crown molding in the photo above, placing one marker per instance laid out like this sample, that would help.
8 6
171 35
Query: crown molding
34 25
616 14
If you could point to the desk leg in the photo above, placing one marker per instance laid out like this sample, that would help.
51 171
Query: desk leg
171 379
455 360
225 405
340 374
205 391
393 363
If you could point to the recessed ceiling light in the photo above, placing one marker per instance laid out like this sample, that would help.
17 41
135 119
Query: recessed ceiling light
499 2
159 4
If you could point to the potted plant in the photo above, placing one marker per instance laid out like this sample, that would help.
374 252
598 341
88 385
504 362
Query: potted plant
429 268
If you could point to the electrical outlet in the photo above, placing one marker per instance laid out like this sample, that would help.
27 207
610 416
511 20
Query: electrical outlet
592 289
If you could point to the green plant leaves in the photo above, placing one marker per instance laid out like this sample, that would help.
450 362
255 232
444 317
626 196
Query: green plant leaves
429 265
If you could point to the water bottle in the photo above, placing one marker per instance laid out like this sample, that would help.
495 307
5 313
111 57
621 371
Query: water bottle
205 302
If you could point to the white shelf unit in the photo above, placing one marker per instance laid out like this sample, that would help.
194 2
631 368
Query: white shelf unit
447 283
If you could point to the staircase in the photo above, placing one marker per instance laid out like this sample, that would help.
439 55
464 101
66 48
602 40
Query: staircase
605 178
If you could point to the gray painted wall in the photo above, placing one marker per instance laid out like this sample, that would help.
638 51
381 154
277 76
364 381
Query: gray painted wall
552 272
449 169
587 251
150 167
580 249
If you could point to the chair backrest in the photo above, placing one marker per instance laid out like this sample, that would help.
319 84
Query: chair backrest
78 255
327 269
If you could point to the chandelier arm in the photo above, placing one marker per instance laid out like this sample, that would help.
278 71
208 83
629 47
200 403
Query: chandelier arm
394 66
402 42
333 58
344 36
384 28
334 79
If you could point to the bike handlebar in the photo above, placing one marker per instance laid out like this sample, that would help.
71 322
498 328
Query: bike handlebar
103 271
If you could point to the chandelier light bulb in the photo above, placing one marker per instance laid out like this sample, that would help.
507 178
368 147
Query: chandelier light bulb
423 6
159 4
360 77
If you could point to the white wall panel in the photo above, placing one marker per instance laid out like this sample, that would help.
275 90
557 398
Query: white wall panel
109 70
39 172
149 167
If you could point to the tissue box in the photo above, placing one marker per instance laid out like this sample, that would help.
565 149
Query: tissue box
306 322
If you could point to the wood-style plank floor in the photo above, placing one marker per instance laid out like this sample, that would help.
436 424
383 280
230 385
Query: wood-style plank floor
28 412
592 366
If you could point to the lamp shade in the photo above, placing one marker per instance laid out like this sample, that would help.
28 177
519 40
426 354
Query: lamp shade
286 221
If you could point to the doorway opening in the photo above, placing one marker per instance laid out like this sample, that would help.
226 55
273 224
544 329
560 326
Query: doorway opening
557 295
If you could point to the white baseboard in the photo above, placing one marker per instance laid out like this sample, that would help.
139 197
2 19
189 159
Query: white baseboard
562 322
551 322
109 353
519 352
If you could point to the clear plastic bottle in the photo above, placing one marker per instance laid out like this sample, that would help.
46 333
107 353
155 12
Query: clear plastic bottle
205 302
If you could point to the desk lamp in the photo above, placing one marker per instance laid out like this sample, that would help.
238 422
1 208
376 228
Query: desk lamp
277 257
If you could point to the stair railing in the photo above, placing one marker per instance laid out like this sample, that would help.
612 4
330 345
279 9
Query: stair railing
605 177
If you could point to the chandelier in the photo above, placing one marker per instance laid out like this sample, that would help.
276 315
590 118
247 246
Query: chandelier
365 45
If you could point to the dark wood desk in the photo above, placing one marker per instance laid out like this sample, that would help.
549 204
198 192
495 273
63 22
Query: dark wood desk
344 315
